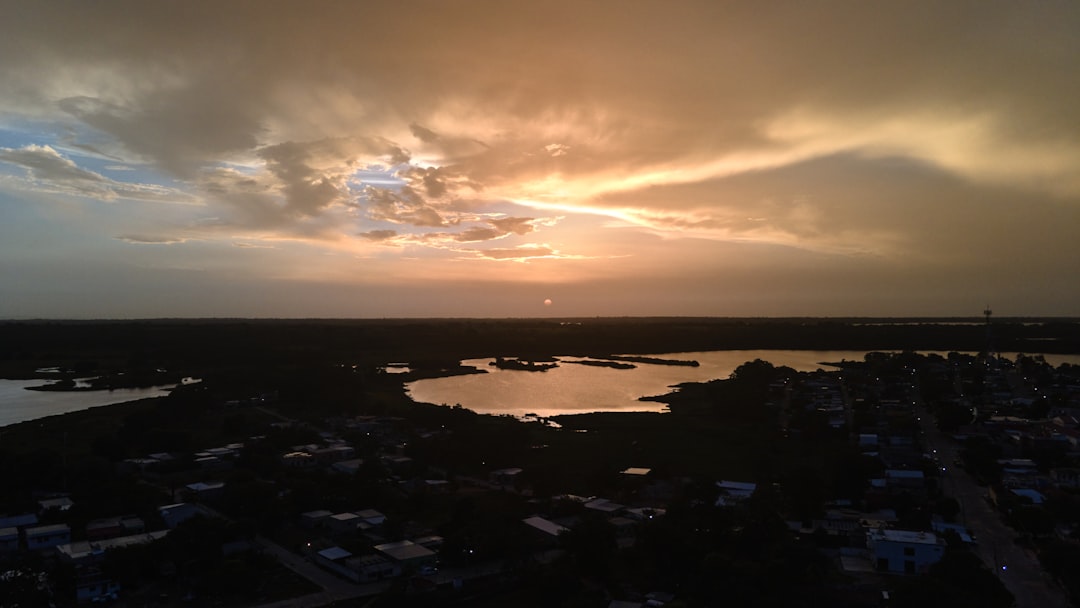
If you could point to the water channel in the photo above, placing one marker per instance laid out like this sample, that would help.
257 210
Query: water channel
573 388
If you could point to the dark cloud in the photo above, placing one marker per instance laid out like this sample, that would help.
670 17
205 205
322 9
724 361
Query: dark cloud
403 206
497 229
920 135
473 235
516 225
517 253
378 235
423 134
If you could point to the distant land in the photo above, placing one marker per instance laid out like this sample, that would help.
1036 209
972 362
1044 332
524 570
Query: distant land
184 346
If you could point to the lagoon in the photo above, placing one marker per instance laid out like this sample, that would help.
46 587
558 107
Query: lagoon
575 389
19 405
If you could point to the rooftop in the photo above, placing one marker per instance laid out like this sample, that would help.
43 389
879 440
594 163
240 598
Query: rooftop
404 550
544 525
906 536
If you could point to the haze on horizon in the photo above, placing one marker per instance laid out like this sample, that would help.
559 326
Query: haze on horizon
505 159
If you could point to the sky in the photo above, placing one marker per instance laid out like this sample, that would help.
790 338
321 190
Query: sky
539 159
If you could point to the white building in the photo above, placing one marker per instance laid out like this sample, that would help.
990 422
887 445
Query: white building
903 551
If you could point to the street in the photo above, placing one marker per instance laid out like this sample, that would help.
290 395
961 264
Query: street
1017 568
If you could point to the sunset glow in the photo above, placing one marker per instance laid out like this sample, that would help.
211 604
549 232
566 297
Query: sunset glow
470 159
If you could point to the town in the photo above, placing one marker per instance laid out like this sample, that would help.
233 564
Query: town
902 479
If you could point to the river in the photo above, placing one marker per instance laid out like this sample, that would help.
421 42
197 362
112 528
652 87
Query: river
573 389
19 405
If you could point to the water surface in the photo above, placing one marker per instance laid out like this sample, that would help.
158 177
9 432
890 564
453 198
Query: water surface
573 389
19 405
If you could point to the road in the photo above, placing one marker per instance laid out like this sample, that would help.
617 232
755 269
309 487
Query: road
1018 568
334 588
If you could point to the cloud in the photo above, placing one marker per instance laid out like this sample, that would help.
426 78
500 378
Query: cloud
378 235
50 172
138 239
403 206
909 132
516 225
518 254
423 134
46 164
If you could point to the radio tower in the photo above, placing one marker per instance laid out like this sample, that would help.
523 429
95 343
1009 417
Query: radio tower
989 337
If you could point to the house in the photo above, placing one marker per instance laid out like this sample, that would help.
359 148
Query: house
1065 477
86 552
645 513
546 526
433 542
332 454
371 568
18 521
60 503
371 517
209 462
343 523
348 467
334 559
604 506
100 529
206 491
625 531
93 586
504 478
1036 497
410 555
314 519
734 491
907 479
299 460
177 513
9 540
903 551
42 538
112 527
962 532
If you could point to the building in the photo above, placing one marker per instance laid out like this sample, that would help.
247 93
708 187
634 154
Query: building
905 479
86 552
371 517
732 492
9 540
314 519
205 491
59 503
407 553
505 478
334 559
348 467
371 568
46 537
546 526
18 521
343 523
174 515
903 551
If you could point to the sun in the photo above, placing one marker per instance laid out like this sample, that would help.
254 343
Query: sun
547 302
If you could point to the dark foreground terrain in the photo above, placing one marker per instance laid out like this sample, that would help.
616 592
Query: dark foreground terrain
298 473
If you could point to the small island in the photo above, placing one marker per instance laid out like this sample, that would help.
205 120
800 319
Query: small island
651 360
522 365
611 364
